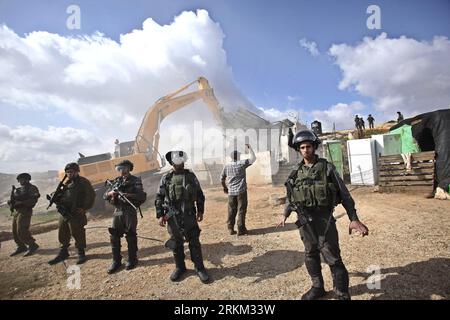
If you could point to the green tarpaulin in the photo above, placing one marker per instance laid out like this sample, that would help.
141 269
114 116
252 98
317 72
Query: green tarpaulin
409 144
333 153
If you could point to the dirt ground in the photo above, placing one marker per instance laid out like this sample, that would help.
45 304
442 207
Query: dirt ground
409 243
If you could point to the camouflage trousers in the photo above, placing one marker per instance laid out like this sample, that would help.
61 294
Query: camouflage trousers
74 227
21 229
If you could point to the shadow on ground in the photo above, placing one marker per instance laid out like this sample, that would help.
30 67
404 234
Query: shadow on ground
267 266
272 229
15 283
417 280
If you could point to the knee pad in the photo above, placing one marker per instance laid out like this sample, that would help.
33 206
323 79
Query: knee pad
173 245
313 253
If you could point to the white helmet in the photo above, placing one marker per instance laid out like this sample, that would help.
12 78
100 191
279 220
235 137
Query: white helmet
176 157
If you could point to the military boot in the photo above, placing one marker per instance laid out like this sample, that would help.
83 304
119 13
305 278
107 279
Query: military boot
197 259
132 253
81 256
231 229
342 295
340 281
117 258
314 293
242 231
180 266
201 273
31 249
62 255
19 250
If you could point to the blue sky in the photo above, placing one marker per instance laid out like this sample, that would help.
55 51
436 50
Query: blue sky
403 66
261 36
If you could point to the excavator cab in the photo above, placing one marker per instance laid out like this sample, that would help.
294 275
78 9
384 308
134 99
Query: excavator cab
124 149
143 151
94 159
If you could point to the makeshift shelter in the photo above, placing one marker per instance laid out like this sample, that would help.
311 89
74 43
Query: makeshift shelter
409 144
332 151
431 131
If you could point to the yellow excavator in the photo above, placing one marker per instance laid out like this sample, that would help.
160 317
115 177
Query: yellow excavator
143 151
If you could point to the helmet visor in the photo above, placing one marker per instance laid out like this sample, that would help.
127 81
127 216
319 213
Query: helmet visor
178 159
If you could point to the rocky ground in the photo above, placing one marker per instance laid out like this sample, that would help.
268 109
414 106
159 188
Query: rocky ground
409 243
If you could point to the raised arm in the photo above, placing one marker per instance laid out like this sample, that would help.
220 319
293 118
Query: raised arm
252 155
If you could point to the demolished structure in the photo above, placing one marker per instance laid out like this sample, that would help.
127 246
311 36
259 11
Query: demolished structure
269 139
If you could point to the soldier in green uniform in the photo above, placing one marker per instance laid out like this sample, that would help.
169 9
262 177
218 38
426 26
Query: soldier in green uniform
371 121
77 198
22 203
313 190
180 204
126 191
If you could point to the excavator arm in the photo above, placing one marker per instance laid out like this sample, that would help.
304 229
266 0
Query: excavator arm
147 138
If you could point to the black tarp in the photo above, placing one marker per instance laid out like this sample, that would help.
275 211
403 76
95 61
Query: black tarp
432 132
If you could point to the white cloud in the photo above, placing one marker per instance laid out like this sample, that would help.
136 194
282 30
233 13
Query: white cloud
310 46
25 147
274 114
400 74
99 81
109 85
341 114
